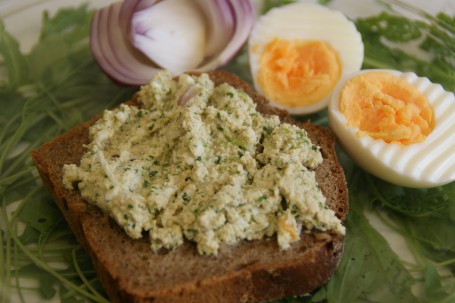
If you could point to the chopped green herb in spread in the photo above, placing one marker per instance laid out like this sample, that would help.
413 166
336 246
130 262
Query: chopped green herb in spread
207 168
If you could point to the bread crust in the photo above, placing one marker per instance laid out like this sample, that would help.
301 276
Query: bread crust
254 271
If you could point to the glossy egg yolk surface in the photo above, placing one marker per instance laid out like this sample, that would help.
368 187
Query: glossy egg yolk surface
385 106
297 73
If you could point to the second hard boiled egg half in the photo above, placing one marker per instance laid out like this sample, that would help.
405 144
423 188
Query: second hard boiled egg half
299 52
397 126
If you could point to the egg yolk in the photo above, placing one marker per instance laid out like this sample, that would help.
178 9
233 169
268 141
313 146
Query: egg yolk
296 73
387 107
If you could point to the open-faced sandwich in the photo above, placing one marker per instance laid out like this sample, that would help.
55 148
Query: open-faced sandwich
197 190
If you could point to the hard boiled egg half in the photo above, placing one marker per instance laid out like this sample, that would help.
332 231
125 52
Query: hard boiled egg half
299 52
397 126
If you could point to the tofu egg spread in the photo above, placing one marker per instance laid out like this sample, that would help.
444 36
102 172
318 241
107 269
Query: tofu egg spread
198 162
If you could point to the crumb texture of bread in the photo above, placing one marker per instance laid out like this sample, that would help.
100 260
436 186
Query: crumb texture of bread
256 271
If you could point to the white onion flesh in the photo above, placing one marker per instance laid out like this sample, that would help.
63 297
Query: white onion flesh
171 33
132 40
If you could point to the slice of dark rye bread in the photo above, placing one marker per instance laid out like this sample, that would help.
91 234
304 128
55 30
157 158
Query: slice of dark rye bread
255 271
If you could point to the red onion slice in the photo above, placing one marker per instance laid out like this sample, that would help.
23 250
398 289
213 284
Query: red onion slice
220 24
244 17
131 6
187 95
114 53
227 24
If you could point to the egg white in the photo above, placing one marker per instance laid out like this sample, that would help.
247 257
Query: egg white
306 22
425 164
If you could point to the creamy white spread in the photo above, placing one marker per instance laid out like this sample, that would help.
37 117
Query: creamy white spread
198 162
